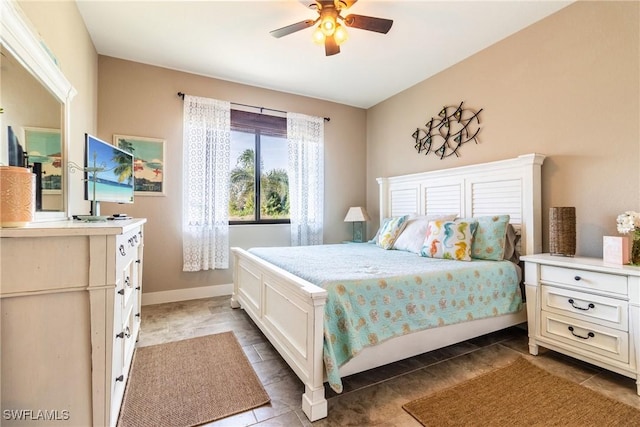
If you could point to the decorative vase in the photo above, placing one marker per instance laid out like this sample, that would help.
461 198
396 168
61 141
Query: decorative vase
562 231
17 196
634 257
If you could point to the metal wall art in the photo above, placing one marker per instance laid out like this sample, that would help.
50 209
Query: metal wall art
445 134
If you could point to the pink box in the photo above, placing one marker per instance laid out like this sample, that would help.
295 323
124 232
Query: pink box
615 250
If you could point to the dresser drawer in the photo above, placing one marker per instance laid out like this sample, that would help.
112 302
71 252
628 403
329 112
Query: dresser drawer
127 283
127 248
598 339
117 375
584 279
610 312
123 346
129 329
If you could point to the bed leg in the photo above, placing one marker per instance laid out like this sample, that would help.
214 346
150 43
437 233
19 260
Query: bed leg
234 302
314 405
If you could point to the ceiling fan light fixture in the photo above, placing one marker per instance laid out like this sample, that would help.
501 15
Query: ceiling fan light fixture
332 28
340 35
328 25
318 36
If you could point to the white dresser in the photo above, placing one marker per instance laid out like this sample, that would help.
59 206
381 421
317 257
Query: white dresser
586 309
70 298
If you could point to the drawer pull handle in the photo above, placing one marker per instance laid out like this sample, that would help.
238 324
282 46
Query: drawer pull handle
137 314
572 302
138 261
589 335
120 378
122 251
121 292
126 332
137 288
577 278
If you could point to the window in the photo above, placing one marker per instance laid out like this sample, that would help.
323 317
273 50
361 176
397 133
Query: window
259 190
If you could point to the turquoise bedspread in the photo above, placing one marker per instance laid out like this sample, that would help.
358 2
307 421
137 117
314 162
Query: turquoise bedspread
376 294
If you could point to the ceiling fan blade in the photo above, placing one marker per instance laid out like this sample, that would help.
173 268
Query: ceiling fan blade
379 25
280 32
330 46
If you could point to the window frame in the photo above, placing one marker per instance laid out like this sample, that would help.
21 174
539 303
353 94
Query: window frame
260 125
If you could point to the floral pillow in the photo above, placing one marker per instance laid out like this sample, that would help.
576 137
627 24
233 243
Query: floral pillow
449 239
490 239
390 231
412 237
375 238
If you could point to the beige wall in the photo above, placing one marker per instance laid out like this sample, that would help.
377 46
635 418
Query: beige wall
141 100
567 87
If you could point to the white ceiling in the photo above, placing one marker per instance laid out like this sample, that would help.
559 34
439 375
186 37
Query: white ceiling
230 40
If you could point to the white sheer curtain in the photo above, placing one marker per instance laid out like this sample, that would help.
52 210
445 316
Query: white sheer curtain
205 183
305 136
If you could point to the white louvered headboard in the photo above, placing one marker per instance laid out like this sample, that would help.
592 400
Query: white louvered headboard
502 187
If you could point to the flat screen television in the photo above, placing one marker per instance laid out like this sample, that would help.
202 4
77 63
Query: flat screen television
108 174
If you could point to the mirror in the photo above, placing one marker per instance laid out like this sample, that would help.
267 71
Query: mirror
35 100
32 117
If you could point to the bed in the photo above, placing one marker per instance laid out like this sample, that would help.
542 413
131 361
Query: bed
290 309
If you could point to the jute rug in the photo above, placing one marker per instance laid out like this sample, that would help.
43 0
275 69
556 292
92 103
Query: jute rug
521 394
190 382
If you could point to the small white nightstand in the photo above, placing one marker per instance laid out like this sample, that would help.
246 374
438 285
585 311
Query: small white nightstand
586 309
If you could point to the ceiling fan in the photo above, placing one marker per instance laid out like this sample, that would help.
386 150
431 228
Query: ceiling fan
330 32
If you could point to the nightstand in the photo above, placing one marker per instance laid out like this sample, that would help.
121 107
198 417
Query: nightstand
585 308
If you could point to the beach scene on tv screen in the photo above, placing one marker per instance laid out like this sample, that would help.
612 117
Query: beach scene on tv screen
115 181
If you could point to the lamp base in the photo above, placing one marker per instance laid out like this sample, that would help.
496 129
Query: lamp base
358 232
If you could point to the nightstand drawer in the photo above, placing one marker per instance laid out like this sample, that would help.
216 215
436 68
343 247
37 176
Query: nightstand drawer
584 279
593 338
605 311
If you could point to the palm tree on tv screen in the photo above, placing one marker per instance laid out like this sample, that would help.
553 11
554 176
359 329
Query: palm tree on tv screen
124 170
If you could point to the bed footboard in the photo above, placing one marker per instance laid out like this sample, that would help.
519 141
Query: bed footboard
289 311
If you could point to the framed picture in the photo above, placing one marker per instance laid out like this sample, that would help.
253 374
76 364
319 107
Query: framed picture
43 146
148 163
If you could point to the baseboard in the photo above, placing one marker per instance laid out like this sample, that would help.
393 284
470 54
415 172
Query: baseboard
149 298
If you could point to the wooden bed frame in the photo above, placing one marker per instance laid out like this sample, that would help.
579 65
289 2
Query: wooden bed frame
290 310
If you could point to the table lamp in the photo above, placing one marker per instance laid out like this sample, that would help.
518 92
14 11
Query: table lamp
357 215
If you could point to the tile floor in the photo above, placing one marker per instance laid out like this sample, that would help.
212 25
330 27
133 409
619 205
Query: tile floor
372 398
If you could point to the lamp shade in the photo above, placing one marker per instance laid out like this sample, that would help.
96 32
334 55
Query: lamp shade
357 214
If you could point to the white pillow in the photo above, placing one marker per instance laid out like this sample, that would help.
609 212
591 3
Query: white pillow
412 237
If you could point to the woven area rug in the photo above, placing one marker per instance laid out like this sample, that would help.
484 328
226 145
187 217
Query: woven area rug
190 382
520 394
